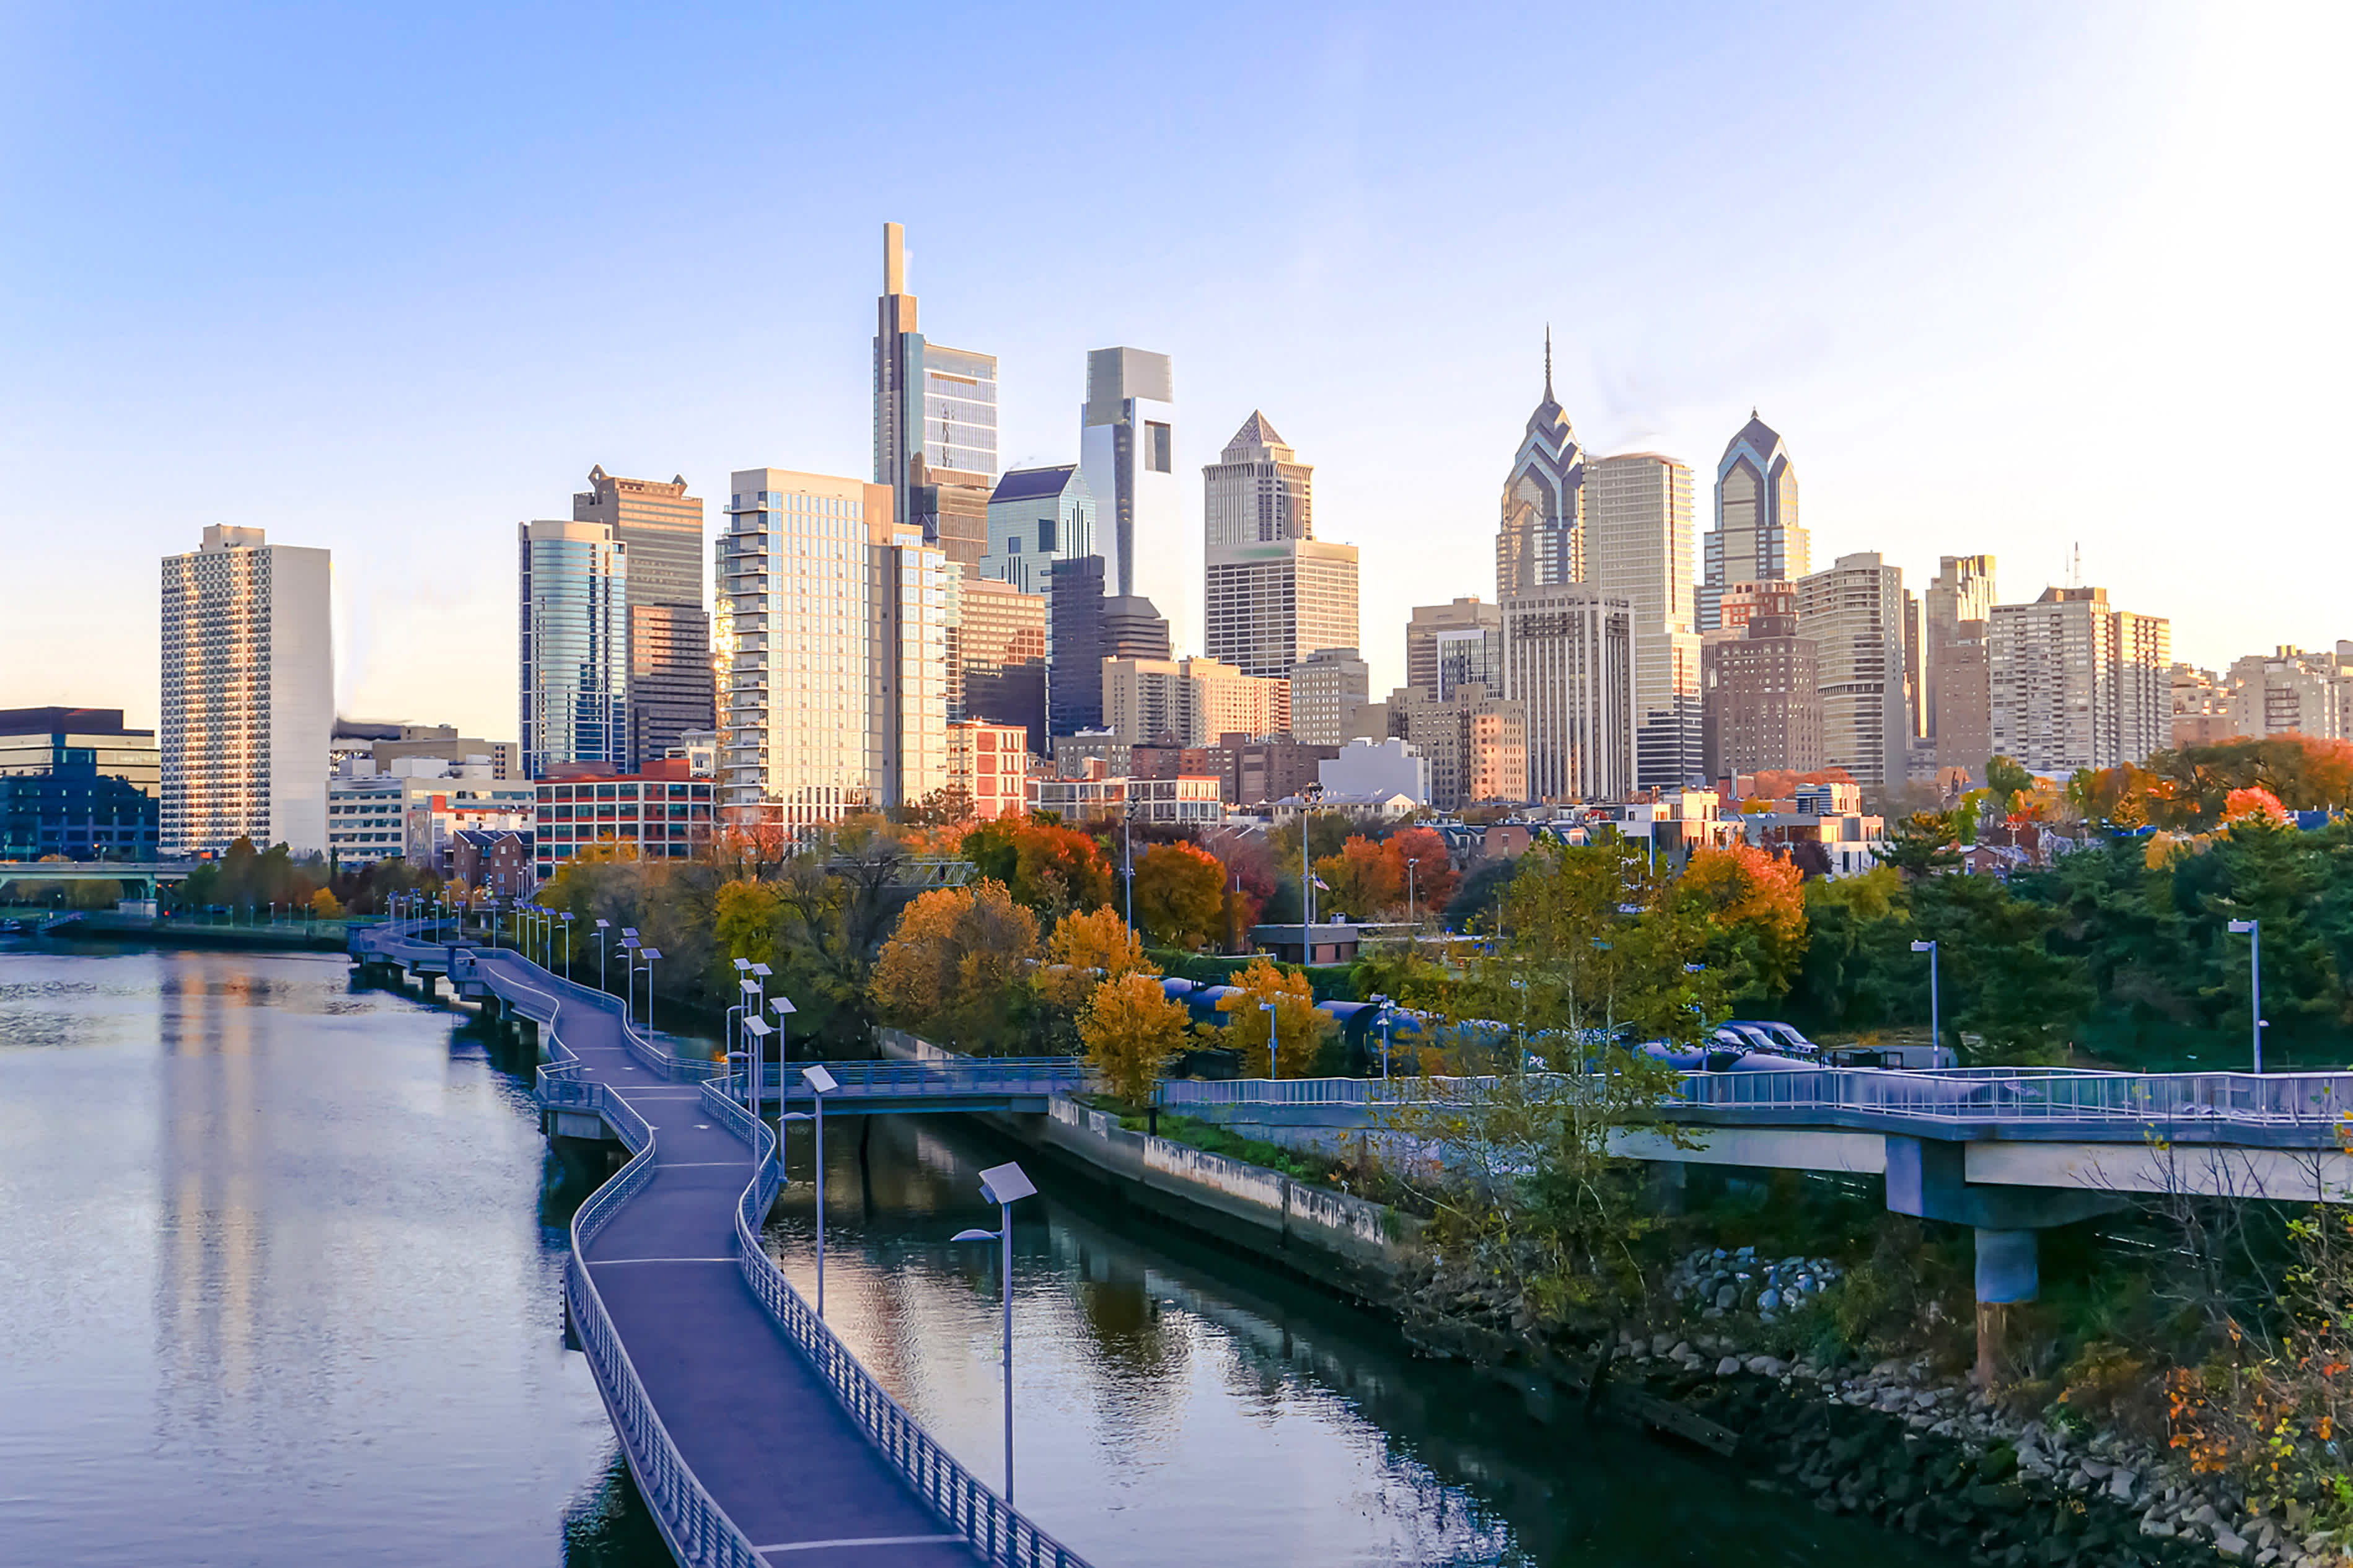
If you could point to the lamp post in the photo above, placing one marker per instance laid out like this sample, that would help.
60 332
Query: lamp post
1004 1185
567 944
1411 918
629 973
602 927
1127 848
2254 932
1385 1006
1274 1062
755 1054
649 953
820 1083
1936 1017
1308 796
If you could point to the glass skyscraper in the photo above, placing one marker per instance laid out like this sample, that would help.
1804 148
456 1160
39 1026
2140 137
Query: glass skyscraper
574 579
935 421
1756 537
1541 542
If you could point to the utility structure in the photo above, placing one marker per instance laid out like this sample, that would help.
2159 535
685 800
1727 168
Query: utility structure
2254 932
1004 1185
822 1083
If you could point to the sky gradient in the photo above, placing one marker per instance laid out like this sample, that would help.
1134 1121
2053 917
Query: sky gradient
2008 278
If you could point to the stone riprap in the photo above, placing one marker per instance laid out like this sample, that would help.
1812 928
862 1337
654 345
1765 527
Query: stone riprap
1721 1283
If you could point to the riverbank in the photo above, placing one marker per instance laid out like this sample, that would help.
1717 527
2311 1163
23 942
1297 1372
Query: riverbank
144 931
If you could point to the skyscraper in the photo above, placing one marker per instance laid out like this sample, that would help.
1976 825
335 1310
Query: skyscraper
935 421
2077 684
1541 539
1763 707
1087 627
1127 450
1637 527
1961 592
1275 594
832 633
249 694
1452 645
1756 537
1332 700
1568 662
996 670
574 618
1854 614
1037 517
661 526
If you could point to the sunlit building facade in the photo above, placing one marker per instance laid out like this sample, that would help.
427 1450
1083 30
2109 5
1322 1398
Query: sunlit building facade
935 422
1638 512
1756 537
1127 450
1568 659
1541 542
1275 594
661 526
574 624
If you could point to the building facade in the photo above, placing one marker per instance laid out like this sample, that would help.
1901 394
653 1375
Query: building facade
1190 702
2076 683
2292 691
1960 593
660 528
248 682
997 656
1854 613
661 814
1037 517
1273 594
935 422
574 580
75 782
1756 537
1763 704
990 762
1454 645
1568 662
1127 450
1541 541
1637 527
1332 699
1474 739
831 651
1085 626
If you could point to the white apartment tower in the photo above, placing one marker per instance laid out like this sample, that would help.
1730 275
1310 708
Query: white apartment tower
1275 594
1856 617
1637 530
1128 452
2076 684
829 634
248 695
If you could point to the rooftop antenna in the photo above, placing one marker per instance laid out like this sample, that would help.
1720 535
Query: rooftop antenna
2075 565
1547 361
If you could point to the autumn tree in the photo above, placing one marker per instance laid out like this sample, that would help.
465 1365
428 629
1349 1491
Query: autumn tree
1920 845
955 966
1084 950
1423 870
745 921
1179 894
1364 882
1132 1030
1753 907
1049 869
1299 1028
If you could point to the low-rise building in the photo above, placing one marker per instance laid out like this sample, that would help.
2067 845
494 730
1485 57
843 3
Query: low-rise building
411 809
75 782
497 858
1377 768
662 813
990 762
1102 797
1369 805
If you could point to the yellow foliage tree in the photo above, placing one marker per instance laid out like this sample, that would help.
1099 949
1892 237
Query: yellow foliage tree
1084 950
1299 1028
324 906
1180 894
743 919
956 962
1132 1030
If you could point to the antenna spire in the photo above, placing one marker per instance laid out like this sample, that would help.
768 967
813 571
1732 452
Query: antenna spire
1547 361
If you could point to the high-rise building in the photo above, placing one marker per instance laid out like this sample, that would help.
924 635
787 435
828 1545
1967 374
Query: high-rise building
2291 691
1037 517
1475 739
1332 699
1454 645
1637 527
831 638
1964 703
1854 614
660 528
1085 626
1127 450
935 422
248 688
2077 684
574 622
1962 592
990 762
1756 537
1275 594
1763 706
996 660
1568 660
1191 701
75 781
1541 539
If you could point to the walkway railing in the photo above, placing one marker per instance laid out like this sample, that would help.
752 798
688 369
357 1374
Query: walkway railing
914 1080
995 1529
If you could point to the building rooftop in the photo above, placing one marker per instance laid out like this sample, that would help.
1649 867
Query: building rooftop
1033 484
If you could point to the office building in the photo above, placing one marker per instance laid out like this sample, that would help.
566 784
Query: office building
660 530
1100 796
1474 739
1332 700
1964 700
1962 592
990 763
1274 592
2292 691
75 782
830 637
1762 708
1756 537
1187 701
1037 517
1258 769
1454 645
248 695
574 622
997 656
414 809
935 422
1085 626
661 812
1854 614
1127 450
385 744
1376 770
1541 542
2078 684
1637 527
1568 661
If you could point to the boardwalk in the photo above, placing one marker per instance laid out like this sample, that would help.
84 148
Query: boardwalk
752 1448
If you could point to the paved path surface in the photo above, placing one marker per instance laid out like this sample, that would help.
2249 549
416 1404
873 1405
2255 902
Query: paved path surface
751 1417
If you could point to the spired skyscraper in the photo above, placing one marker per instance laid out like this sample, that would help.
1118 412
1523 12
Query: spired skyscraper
1542 541
1756 537
1274 593
935 422
1127 450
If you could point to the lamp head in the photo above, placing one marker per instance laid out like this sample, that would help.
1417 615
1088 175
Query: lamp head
1924 947
651 954
974 1236
1006 1185
761 969
819 1081
2241 928
604 925
743 964
782 1006
757 1028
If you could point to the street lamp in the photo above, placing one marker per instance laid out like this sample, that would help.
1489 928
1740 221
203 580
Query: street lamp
1274 1062
820 1083
567 944
1387 1007
1411 917
649 954
1936 1020
1004 1185
602 927
2252 931
1308 796
628 970
755 1055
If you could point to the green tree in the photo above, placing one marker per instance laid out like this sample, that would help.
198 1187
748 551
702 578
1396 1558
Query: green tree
1922 844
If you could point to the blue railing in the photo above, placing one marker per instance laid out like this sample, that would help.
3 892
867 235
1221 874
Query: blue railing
914 1080
993 1528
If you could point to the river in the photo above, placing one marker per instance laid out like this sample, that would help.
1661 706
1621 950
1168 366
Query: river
280 1284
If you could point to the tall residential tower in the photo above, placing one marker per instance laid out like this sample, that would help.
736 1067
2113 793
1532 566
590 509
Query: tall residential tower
573 621
935 421
661 526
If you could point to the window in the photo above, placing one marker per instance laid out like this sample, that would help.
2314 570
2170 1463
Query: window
1159 451
1045 537
1012 547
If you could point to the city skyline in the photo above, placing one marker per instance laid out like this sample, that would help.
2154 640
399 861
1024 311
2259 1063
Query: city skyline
273 382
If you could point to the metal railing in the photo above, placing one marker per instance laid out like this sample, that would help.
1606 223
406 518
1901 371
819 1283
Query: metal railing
995 1529
914 1080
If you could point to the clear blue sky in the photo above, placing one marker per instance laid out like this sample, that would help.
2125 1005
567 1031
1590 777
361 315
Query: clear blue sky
2006 277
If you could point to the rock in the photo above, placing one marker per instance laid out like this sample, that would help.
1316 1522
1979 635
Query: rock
1726 1299
1769 1301
1762 1365
1724 1368
1680 1348
2098 1469
2229 1542
2152 1525
2266 1557
2204 1514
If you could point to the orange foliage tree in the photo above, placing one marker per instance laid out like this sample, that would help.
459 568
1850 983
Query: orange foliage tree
1432 882
1362 880
958 959
1084 950
1180 895
1047 867
1754 908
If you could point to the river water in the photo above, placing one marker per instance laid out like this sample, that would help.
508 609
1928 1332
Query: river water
279 1282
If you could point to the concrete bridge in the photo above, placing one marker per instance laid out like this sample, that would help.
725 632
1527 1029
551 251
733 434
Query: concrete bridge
139 877
756 1437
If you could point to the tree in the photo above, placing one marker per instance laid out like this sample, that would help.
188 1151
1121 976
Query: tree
1132 1030
1084 950
1431 881
958 958
2006 781
1299 1027
1755 910
324 907
2253 801
1363 881
2001 977
745 921
949 806
1180 895
1922 844
1048 868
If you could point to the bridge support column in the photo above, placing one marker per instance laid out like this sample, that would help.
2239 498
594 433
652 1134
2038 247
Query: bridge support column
2008 1273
